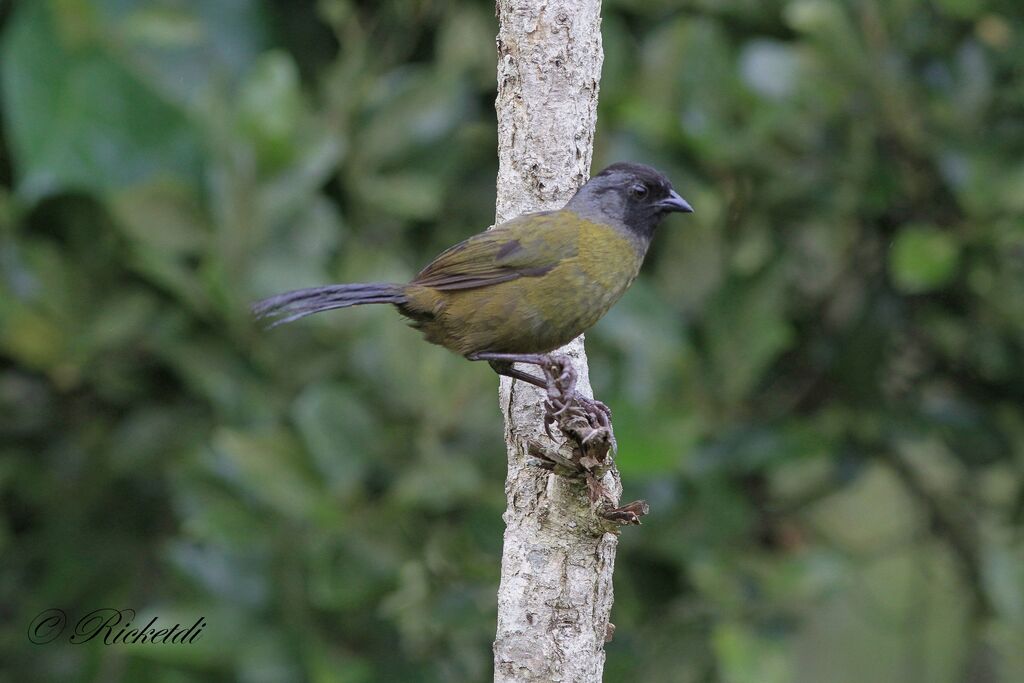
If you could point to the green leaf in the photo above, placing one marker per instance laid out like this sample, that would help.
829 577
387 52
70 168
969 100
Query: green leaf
922 259
188 51
79 120
271 107
339 432
747 658
962 8
270 468
747 329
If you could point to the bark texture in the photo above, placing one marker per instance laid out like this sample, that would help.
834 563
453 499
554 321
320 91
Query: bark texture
556 571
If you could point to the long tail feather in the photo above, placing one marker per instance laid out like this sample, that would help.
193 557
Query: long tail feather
290 306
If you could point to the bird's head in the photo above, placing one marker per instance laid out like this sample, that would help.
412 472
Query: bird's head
633 196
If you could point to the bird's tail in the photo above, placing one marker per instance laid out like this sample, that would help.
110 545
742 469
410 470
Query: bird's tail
284 308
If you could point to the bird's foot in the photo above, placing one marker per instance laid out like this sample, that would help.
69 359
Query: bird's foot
599 416
587 423
584 420
573 413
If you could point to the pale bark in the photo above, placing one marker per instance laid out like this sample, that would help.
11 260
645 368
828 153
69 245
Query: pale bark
556 570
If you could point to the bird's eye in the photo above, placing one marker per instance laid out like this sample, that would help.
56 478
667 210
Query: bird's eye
639 191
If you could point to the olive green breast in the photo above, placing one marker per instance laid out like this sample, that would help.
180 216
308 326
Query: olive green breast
558 294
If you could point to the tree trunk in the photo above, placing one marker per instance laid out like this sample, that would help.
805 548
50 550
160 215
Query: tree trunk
556 568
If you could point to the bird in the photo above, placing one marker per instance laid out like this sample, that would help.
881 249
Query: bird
525 287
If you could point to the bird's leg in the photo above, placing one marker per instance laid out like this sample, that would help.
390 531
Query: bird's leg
559 374
557 402
563 399
505 367
502 363
559 381
585 421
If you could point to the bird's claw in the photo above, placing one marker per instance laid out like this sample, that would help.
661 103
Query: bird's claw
587 422
564 405
597 412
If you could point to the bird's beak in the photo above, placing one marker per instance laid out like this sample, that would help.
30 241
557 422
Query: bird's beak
673 202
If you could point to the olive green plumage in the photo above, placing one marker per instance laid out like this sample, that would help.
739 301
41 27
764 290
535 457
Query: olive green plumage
528 285
541 281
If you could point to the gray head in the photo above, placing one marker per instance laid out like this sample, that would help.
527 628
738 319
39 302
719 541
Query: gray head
633 196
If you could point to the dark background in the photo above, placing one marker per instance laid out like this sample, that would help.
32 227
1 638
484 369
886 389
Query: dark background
817 381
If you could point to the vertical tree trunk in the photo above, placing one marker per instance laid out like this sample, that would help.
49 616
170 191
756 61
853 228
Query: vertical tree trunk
556 569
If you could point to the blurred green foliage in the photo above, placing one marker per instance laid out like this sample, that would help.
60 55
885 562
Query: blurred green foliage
817 382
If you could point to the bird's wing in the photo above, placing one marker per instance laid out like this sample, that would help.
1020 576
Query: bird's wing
528 246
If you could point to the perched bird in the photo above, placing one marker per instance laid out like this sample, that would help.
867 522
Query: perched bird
525 287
